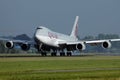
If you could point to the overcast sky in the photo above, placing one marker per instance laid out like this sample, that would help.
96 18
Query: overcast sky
23 16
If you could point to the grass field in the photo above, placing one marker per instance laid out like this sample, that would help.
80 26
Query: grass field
60 68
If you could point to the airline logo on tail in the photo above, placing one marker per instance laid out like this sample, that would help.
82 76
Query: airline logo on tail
74 32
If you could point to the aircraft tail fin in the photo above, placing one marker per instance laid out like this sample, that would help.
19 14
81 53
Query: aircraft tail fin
74 32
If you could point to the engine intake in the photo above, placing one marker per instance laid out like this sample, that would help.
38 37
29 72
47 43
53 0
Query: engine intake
25 47
81 46
106 44
9 44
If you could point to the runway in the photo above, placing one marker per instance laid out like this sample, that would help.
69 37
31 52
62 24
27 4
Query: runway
73 70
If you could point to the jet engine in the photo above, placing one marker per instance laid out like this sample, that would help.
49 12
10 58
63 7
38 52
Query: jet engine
80 46
25 46
9 44
106 44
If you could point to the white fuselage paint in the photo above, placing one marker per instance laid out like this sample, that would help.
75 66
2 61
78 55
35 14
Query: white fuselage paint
51 38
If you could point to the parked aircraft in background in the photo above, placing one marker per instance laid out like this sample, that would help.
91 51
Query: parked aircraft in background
46 40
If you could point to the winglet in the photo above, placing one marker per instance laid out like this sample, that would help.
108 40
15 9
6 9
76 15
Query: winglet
74 32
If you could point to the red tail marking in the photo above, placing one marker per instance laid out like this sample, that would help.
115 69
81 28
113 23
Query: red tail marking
76 30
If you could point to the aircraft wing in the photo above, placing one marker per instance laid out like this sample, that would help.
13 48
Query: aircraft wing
16 41
82 44
87 42
101 41
25 44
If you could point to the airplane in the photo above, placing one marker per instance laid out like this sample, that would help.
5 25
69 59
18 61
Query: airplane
46 40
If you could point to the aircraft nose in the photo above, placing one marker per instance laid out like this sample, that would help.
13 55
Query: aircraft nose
36 37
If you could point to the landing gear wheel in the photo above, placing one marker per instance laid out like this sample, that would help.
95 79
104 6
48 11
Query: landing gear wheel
43 54
69 54
62 54
53 54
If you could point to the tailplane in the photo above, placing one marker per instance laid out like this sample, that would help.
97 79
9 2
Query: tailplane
74 32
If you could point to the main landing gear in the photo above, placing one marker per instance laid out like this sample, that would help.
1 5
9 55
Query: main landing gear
54 54
43 54
69 53
62 53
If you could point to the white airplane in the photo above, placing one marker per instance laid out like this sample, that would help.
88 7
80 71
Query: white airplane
47 40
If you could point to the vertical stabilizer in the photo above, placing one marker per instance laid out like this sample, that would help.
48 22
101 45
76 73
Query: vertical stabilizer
74 32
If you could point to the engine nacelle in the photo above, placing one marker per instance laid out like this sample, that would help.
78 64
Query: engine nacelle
106 44
25 46
9 44
81 46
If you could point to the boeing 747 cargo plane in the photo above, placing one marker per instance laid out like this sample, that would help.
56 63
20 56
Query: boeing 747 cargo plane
46 40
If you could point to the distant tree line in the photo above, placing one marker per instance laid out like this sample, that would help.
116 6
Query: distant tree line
93 49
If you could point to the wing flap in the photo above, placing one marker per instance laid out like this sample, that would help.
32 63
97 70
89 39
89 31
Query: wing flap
95 41
115 40
70 42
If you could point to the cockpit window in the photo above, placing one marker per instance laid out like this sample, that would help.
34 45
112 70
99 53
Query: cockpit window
39 28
